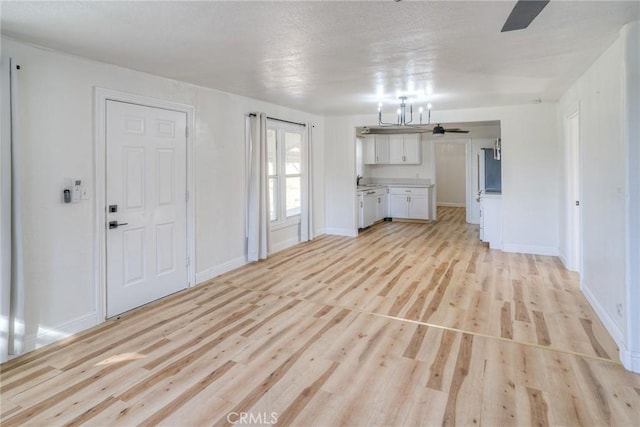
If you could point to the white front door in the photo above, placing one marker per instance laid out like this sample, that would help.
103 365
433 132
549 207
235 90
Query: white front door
145 204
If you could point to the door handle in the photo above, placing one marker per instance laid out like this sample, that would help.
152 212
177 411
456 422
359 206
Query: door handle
115 224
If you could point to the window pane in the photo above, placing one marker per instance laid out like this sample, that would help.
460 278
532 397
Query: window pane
273 199
293 196
272 152
293 145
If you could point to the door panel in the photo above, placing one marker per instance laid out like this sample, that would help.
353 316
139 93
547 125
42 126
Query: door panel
146 180
418 207
396 149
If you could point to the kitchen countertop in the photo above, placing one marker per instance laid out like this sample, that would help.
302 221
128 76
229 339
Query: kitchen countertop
368 187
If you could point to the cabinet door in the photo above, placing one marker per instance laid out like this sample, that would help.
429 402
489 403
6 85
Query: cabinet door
418 207
369 214
360 211
412 149
396 150
369 150
399 206
385 204
382 149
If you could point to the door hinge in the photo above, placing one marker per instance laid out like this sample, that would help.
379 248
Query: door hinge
186 196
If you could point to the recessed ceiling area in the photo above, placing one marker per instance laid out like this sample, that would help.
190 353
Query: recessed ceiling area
335 58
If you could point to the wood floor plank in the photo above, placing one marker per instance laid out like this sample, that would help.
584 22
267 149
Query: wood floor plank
407 324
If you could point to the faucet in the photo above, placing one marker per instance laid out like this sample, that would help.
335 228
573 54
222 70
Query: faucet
358 178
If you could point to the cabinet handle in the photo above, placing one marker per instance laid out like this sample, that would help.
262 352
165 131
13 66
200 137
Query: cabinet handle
404 158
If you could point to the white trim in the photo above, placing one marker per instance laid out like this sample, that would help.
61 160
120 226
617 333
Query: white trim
48 335
630 359
530 249
562 257
348 232
217 270
102 95
607 321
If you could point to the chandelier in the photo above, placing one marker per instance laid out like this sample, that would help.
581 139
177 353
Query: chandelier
405 119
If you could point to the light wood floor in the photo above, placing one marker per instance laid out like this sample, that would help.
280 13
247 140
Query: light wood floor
408 324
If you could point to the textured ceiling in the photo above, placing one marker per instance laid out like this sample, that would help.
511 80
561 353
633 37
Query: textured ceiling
335 57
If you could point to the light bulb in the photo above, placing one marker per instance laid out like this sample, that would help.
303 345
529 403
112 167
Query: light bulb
429 106
420 110
398 111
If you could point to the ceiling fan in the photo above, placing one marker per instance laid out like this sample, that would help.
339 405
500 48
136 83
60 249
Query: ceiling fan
437 130
523 13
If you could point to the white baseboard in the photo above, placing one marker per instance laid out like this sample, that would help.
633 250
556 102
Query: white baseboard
217 270
605 318
48 335
530 249
630 359
348 232
451 205
563 258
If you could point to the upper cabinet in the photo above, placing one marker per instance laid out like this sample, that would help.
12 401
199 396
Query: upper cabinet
404 149
376 149
392 149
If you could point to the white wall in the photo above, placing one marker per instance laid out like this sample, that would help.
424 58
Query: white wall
57 128
531 170
608 138
451 166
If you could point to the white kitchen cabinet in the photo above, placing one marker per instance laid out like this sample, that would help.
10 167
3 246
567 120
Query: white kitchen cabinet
404 149
374 207
399 205
382 204
360 210
369 210
376 149
412 149
385 203
409 203
491 220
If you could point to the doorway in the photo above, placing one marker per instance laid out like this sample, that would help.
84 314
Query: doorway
144 215
574 218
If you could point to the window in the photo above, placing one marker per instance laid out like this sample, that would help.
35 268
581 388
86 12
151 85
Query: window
284 168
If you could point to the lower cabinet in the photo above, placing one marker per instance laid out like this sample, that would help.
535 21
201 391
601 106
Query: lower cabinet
373 207
370 207
360 210
491 220
409 203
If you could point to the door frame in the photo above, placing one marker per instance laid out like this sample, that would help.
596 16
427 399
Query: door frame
468 191
101 96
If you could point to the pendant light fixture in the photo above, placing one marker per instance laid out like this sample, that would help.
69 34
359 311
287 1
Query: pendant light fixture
405 119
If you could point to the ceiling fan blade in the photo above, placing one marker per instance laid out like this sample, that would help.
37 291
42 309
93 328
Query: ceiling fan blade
523 13
456 131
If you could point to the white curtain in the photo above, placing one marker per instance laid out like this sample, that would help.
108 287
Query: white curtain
258 196
11 267
306 225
